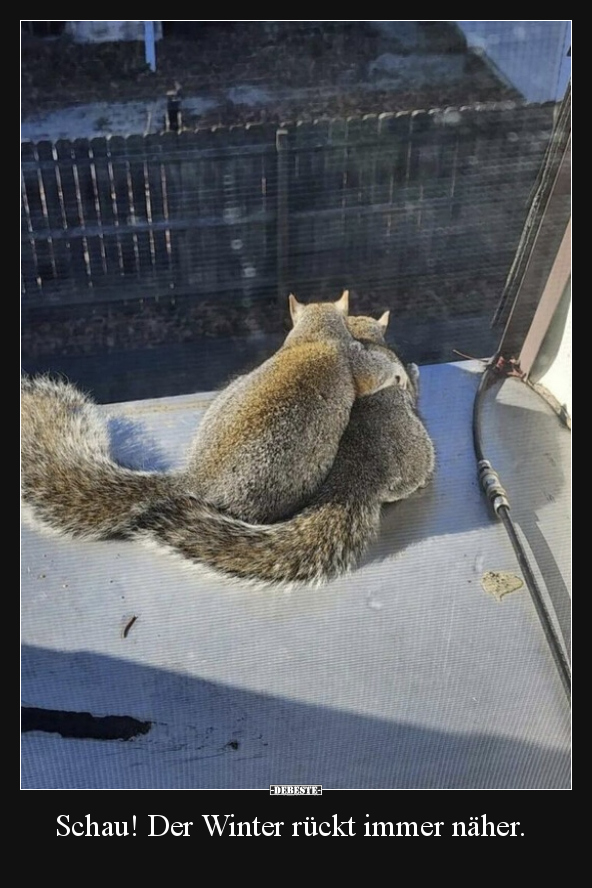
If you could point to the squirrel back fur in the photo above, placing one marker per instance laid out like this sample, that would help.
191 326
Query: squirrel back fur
385 455
267 443
71 483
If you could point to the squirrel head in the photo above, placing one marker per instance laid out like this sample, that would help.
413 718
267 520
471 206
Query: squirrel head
319 319
371 334
297 309
369 329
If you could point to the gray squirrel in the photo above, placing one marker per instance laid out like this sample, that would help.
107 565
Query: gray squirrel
263 448
269 439
370 447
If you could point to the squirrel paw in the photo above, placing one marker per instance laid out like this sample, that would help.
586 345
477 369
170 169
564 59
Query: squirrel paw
375 369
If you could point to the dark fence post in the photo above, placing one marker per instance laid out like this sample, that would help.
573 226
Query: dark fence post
281 144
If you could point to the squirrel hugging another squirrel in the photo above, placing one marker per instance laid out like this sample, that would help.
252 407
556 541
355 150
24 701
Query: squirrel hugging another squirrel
287 472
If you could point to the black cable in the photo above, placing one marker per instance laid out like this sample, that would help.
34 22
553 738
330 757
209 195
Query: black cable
497 496
543 615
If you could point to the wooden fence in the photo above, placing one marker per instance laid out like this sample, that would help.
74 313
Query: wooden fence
247 211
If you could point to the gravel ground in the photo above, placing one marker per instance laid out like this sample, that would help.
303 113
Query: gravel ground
245 72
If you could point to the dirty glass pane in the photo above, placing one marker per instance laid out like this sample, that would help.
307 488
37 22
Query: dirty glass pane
167 214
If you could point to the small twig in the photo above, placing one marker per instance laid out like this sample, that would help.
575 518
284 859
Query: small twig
469 357
128 626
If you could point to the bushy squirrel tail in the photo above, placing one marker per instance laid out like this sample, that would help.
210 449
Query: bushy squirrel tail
69 481
71 484
324 540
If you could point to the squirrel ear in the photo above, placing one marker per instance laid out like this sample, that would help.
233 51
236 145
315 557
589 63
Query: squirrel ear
384 319
295 307
343 304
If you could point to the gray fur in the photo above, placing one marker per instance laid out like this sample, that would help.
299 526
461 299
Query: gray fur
71 484
269 440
